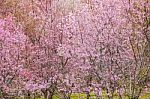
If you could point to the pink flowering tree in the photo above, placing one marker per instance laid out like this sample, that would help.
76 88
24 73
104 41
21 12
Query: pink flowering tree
67 46
103 39
12 44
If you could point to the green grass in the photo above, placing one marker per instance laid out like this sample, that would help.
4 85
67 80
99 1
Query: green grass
83 96
145 96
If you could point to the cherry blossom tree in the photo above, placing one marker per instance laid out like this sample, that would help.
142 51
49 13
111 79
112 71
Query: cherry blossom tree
12 42
74 46
106 42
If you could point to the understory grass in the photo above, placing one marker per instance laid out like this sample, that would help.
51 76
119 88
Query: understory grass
92 96
83 96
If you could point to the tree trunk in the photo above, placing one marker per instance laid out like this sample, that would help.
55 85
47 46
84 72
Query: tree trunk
88 95
50 95
120 97
34 96
28 95
108 94
45 94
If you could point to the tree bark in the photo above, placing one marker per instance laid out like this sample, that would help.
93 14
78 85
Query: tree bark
28 95
50 97
88 95
45 94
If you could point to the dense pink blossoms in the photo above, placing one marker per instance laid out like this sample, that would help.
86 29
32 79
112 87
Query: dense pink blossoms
81 46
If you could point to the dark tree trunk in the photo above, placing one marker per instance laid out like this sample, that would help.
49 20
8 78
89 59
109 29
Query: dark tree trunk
109 97
120 97
45 94
28 95
88 95
50 96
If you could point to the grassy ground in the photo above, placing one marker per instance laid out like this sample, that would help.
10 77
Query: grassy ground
145 96
83 96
